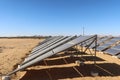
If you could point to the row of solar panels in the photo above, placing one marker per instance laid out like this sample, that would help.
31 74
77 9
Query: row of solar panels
109 45
50 47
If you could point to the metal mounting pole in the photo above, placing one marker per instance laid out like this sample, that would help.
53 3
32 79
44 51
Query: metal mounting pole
95 49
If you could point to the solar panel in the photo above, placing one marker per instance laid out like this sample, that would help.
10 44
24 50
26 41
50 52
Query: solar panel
99 41
108 44
40 47
47 39
112 51
48 49
58 49
117 38
117 47
100 48
92 46
86 43
47 46
111 42
47 43
103 39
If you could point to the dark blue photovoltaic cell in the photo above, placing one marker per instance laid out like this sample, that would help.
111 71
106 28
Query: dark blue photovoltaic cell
86 43
103 39
117 47
117 38
100 48
104 46
111 42
93 45
108 44
112 51
99 40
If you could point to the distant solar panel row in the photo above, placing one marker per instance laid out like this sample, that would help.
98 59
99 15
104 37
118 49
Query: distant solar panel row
113 50
103 39
100 41
107 48
108 44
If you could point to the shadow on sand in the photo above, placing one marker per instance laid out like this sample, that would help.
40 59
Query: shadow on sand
56 73
69 72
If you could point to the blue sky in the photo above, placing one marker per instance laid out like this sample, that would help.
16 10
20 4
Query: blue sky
59 17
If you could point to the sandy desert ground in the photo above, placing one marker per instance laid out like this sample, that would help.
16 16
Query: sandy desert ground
13 51
58 67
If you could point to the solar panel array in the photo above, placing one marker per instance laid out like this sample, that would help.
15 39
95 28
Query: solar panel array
86 43
108 44
50 47
100 40
113 50
54 45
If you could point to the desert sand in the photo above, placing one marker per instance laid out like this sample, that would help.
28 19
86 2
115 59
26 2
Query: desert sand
13 51
58 67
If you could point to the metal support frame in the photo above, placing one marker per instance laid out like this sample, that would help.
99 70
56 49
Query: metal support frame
87 48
